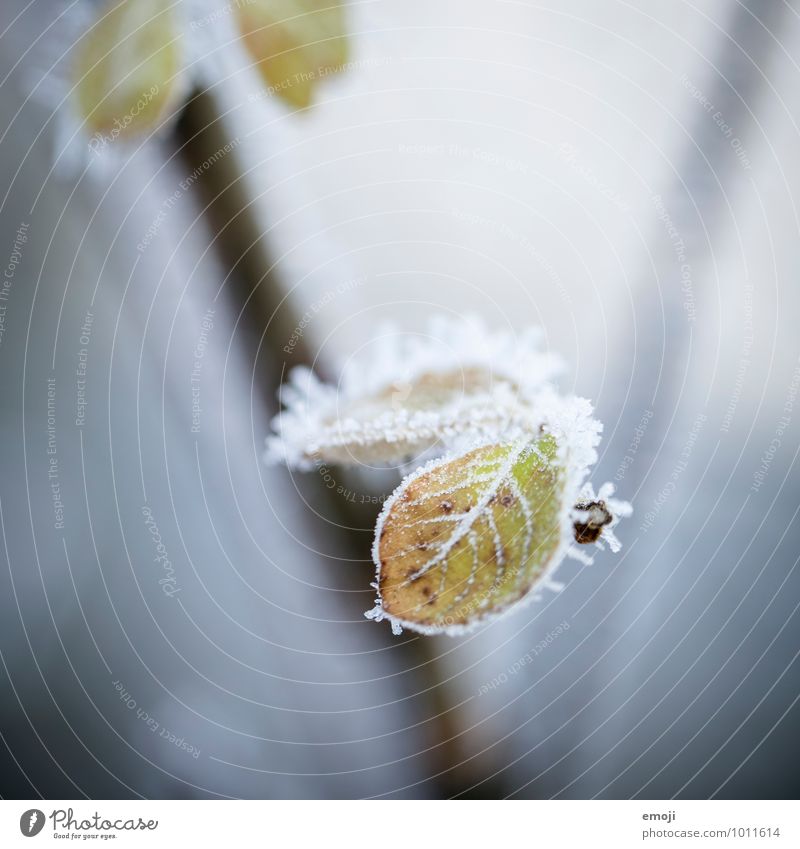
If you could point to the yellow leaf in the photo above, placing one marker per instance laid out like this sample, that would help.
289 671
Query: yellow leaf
126 73
466 538
294 43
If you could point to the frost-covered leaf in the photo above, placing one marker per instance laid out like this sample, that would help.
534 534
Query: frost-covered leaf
466 538
415 393
483 528
127 73
407 419
294 43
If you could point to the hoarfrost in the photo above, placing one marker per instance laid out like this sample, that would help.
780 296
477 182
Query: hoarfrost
426 402
415 396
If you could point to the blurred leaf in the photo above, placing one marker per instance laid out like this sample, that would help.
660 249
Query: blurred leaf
464 539
126 74
294 43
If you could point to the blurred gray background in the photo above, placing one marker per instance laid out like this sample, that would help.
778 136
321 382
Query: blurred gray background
625 176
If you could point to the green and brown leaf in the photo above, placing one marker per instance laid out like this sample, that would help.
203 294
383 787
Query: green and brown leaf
468 537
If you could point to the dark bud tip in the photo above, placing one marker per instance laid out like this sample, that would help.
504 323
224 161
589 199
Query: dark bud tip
588 530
